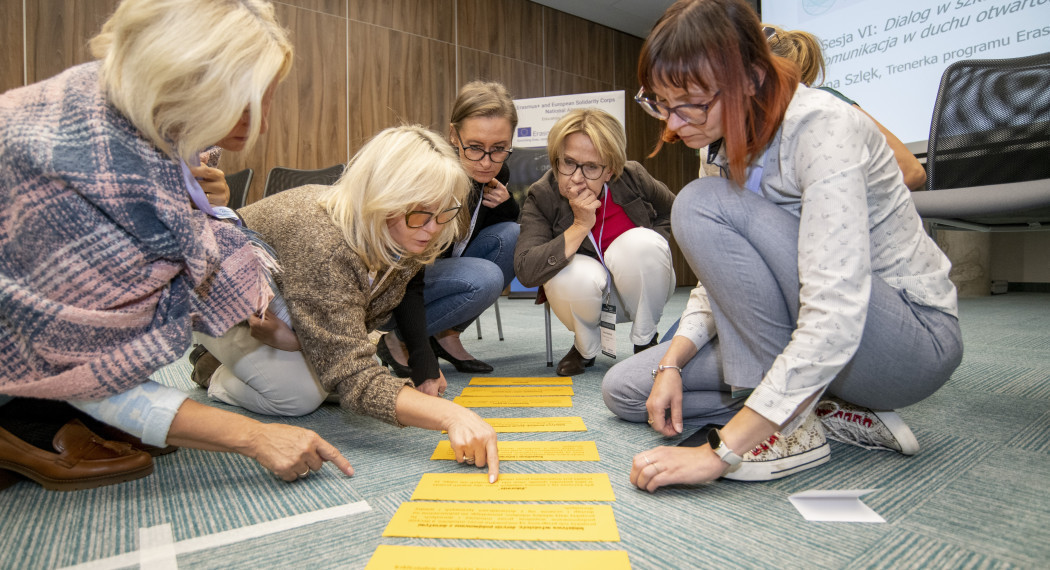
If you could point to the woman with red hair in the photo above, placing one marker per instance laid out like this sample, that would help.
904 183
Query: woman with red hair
822 304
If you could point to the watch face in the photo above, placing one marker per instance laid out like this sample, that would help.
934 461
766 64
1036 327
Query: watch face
713 440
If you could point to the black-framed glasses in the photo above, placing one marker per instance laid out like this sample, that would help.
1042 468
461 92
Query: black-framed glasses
690 113
568 167
771 35
476 153
418 219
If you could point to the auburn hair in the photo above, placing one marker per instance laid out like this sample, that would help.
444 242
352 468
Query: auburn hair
718 45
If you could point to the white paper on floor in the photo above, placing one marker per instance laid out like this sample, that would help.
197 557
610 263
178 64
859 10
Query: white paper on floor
835 506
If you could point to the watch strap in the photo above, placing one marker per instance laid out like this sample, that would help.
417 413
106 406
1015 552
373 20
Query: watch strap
714 438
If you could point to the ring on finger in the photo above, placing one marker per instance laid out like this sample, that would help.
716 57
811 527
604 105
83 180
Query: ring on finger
650 421
646 458
469 460
304 473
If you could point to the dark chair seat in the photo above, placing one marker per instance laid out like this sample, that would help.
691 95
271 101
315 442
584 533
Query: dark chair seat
239 182
281 178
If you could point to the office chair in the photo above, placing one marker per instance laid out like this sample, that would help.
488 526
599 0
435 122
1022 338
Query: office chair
499 322
541 297
281 178
988 162
239 182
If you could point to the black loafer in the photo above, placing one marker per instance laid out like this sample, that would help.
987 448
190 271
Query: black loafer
473 366
573 363
383 352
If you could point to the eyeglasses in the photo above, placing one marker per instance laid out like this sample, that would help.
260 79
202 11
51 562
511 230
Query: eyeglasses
771 35
476 153
694 114
568 167
418 219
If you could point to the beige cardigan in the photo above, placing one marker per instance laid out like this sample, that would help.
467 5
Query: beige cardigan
330 299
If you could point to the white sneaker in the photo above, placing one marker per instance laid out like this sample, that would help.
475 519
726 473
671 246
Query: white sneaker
781 456
867 428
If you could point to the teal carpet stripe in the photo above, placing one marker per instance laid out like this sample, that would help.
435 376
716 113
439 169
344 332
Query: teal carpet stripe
902 549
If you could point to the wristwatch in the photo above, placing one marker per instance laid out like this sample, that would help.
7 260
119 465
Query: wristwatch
714 439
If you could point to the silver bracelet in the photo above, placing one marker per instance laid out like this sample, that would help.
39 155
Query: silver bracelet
661 367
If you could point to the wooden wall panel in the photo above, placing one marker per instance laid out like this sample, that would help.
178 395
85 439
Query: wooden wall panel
58 32
12 70
562 83
330 7
308 120
579 47
523 80
397 78
511 28
428 18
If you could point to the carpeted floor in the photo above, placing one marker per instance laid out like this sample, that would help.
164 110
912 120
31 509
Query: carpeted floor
975 497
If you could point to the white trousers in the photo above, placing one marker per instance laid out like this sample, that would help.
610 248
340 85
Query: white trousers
643 280
261 378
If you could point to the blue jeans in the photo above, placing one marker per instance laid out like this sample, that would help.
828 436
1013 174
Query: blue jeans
458 289
744 249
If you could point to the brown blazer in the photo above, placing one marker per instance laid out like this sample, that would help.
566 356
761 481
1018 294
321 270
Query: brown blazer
540 253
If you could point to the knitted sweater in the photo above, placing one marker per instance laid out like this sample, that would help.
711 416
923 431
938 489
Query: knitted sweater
331 301
104 267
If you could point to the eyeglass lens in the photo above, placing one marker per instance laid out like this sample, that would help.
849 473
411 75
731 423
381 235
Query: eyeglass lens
418 219
568 167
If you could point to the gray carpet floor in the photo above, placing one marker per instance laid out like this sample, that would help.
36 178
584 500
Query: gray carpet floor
974 497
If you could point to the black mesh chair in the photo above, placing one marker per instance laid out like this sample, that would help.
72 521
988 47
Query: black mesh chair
281 178
988 161
239 183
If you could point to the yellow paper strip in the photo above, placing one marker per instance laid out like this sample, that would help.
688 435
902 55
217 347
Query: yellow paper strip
514 401
504 522
517 425
500 391
514 487
521 381
388 557
529 425
531 451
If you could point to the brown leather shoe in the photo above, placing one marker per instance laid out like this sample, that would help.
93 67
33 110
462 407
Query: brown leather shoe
83 460
573 363
204 365
118 435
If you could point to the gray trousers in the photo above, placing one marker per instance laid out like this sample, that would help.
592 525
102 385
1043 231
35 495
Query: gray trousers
744 249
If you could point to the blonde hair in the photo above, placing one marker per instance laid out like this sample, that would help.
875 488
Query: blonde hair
803 48
183 71
398 170
484 99
606 134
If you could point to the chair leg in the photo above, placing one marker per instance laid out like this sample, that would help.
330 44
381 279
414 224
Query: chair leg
499 322
477 322
547 322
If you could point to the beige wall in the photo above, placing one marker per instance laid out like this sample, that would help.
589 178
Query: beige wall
364 65
1021 257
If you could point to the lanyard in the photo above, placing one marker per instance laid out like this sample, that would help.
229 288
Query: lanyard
200 199
601 229
461 245
375 284
601 232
